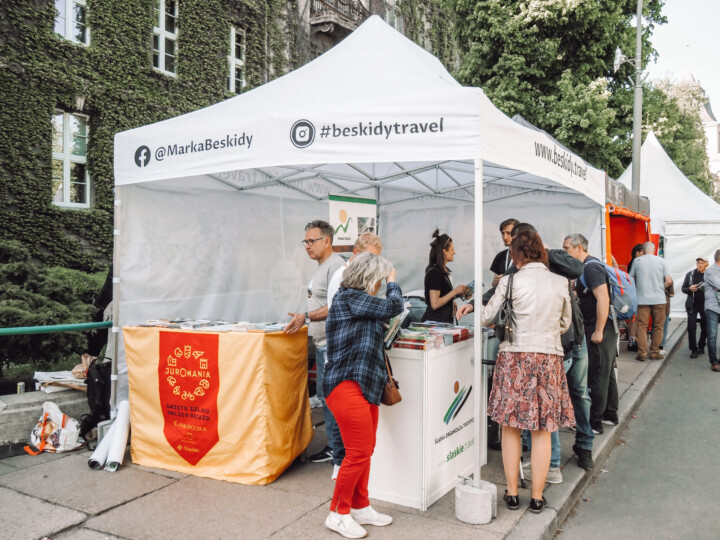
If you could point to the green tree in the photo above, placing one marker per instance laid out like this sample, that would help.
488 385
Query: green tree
546 59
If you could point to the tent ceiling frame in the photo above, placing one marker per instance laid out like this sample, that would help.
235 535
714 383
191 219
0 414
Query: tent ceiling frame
367 180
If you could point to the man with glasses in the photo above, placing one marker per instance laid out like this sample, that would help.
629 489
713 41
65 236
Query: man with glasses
318 245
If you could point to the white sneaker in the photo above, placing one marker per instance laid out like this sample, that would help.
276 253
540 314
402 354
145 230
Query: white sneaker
336 471
554 475
345 525
315 402
370 516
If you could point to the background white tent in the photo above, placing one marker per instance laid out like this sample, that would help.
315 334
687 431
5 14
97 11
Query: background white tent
212 205
688 219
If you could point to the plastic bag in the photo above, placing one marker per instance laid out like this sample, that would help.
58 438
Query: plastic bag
54 432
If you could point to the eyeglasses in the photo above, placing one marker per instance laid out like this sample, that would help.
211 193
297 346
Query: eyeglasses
312 241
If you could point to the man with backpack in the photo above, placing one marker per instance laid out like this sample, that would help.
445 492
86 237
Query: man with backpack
652 276
600 333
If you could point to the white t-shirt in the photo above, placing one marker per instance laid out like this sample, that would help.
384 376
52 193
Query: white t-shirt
334 284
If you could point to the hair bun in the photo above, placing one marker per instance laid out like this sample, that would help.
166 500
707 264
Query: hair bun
436 234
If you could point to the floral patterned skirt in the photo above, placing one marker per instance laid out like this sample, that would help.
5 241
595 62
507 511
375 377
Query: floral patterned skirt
530 392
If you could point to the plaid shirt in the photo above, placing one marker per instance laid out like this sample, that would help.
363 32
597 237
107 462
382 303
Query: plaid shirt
355 332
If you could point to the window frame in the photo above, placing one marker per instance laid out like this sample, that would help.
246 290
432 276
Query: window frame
67 158
163 34
69 26
234 62
393 7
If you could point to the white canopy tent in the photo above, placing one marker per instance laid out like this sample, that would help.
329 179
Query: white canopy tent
211 205
686 217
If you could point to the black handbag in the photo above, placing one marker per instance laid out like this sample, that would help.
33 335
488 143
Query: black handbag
505 317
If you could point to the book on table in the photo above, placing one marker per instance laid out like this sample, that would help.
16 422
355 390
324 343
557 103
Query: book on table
393 328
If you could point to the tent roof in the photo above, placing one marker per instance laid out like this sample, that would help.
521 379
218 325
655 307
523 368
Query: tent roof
375 110
673 197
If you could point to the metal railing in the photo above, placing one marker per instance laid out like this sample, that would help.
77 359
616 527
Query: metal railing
349 9
79 327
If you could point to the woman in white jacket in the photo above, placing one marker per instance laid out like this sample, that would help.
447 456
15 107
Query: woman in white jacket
529 386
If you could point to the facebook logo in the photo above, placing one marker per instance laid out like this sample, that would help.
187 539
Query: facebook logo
142 156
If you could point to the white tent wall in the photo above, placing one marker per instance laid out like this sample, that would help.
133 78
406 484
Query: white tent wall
681 248
688 219
410 229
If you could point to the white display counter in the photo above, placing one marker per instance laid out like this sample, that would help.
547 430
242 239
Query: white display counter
426 441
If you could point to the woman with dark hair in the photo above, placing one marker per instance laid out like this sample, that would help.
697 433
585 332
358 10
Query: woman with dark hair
439 291
529 388
637 251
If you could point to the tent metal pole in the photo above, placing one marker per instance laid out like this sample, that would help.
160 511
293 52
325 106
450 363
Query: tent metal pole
377 211
116 303
603 235
480 424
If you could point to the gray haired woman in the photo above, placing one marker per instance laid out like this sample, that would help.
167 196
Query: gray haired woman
355 376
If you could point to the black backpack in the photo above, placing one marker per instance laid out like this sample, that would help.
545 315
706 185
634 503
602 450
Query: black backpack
98 394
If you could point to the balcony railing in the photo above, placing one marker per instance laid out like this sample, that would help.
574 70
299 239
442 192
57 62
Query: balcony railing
351 11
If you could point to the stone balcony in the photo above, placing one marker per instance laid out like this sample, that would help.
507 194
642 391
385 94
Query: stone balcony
336 18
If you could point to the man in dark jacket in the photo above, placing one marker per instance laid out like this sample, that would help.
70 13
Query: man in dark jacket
693 286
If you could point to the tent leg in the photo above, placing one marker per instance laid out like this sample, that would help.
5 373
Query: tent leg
480 424
116 305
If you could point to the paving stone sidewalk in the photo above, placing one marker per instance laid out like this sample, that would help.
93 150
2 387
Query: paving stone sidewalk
60 497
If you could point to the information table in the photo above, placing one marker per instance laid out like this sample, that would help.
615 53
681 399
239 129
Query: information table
426 441
226 405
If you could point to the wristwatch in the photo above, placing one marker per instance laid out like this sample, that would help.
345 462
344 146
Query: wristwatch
307 318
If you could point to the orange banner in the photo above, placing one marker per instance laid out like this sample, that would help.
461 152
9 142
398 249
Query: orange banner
189 385
253 404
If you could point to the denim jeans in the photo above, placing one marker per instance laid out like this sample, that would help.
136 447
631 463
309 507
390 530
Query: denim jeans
331 428
712 319
578 388
665 330
555 448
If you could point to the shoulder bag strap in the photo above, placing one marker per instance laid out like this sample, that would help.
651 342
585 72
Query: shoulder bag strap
387 364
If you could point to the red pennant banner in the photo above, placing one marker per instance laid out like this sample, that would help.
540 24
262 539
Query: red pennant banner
189 383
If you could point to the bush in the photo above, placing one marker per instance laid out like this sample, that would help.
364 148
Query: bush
32 296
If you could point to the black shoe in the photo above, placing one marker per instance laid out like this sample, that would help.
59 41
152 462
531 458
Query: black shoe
694 354
701 350
597 427
584 457
326 454
511 501
610 420
632 347
537 505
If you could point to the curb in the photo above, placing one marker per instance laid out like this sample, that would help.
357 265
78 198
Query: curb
563 497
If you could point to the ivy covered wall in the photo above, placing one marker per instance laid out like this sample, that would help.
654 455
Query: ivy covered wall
42 72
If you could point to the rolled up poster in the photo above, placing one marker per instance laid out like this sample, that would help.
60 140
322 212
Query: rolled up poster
121 428
98 457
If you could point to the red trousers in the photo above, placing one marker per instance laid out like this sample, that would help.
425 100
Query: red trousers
358 421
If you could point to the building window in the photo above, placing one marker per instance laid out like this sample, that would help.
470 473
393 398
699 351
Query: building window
71 20
393 16
165 34
70 179
236 60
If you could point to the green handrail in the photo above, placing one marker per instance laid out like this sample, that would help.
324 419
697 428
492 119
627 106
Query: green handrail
79 327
